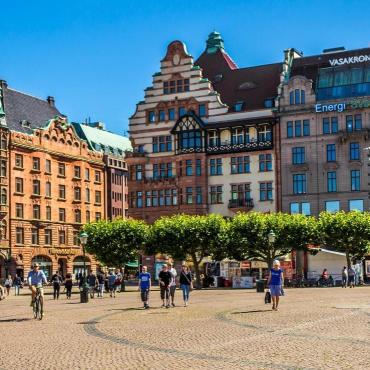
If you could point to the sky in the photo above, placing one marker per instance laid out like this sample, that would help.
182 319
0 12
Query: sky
96 57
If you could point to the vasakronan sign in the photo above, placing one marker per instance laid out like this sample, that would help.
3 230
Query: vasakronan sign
349 60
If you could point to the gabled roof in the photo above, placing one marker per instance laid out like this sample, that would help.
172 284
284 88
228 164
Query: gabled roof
34 112
188 114
101 140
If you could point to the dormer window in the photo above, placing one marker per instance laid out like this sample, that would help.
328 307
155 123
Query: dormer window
151 117
269 103
162 115
238 106
297 97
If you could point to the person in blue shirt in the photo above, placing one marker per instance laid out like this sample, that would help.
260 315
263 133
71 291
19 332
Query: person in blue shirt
275 283
144 286
36 278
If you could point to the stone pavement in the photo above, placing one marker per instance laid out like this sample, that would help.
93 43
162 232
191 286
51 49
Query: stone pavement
316 328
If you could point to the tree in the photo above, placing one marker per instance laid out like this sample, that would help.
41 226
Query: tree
117 242
183 236
249 235
347 232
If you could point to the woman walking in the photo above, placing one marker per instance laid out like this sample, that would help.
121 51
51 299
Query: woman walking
275 283
68 285
185 283
8 284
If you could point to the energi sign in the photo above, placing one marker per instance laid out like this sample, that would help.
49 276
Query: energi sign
337 107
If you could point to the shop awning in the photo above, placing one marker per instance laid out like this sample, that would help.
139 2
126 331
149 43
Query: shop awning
333 252
132 264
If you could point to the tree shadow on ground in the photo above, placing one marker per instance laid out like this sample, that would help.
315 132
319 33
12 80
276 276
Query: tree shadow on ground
252 311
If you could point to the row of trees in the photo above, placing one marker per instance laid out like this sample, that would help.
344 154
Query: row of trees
245 236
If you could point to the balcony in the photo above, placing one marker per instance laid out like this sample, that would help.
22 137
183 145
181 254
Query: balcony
241 204
344 136
229 147
162 179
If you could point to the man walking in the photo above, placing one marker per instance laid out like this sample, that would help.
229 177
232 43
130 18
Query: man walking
351 277
112 284
56 279
101 284
17 284
344 277
165 280
173 272
144 286
92 281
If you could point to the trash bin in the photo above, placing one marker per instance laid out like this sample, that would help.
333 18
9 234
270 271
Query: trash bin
84 295
260 286
220 281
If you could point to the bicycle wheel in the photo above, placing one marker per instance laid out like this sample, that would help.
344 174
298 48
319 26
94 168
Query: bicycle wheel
35 308
40 310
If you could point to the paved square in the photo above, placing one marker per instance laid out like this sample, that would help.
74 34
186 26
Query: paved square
316 328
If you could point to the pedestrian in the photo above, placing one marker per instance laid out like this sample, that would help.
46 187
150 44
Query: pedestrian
56 279
165 280
2 293
186 283
17 283
92 281
275 283
344 277
351 277
173 271
118 281
68 285
101 284
8 284
144 286
112 283
106 282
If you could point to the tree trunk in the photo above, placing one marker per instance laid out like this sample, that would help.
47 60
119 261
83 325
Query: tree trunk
348 257
198 283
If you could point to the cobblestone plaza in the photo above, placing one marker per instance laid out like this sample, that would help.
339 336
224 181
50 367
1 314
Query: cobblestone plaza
316 328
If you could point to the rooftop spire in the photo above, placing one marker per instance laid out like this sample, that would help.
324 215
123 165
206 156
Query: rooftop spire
214 42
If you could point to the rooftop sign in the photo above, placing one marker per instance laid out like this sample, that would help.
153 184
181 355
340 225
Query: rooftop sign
349 60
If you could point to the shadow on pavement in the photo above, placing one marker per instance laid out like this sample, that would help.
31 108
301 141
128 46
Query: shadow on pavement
253 311
15 320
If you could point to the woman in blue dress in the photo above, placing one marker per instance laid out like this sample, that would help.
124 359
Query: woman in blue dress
275 282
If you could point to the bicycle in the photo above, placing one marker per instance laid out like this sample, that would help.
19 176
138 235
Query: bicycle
38 305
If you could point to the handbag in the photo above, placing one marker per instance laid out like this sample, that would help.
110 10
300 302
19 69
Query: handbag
189 281
267 297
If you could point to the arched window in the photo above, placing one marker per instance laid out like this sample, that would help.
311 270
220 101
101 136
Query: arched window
77 216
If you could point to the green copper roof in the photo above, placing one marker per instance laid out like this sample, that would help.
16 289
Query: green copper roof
102 140
214 42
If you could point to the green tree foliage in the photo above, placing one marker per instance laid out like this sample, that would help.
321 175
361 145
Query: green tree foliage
183 236
347 232
248 235
117 242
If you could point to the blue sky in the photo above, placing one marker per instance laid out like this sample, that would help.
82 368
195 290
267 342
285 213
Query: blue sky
97 56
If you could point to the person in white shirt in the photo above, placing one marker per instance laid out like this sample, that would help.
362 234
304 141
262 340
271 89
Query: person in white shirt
173 272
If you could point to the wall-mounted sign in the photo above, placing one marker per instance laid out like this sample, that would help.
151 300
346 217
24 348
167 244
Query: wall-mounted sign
349 60
63 251
336 107
360 103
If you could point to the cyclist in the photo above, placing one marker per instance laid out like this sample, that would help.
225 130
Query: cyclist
35 279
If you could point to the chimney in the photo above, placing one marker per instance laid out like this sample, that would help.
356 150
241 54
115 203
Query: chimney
51 101
3 84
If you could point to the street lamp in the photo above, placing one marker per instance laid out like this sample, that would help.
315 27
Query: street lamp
272 237
84 294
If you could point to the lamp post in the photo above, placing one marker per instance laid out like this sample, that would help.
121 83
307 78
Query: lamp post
271 237
84 294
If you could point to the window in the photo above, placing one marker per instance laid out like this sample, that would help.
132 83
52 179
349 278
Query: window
213 139
299 183
173 86
76 237
216 166
167 197
3 168
77 193
36 164
240 193
62 192
48 237
162 144
161 198
61 169
189 195
291 98
330 125
356 205
237 136
78 216
62 214
289 129
354 151
36 187
202 110
190 139
264 133
62 237
97 176
87 216
87 195
171 114
266 191
216 194
48 189
77 172
297 97
3 143
304 208
97 197
298 155
265 162
19 210
238 106
355 180
36 212
138 172
48 213
306 127
19 160
34 236
139 199
330 153
332 181
240 165
3 197
298 128
358 122
48 166
97 216
332 206
19 185
151 116
189 167
198 167
19 235
87 174
162 115
349 123
198 196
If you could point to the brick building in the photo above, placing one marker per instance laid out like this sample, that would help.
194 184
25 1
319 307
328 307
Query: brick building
51 183
203 138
